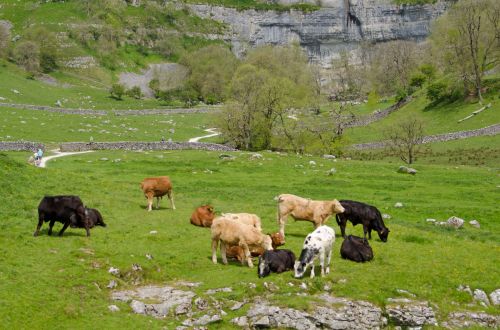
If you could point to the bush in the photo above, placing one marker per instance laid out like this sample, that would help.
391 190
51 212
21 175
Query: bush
418 79
27 55
135 92
436 91
117 91
187 95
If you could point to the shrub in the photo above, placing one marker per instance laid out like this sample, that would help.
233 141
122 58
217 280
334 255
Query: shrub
135 92
418 79
117 91
27 55
436 91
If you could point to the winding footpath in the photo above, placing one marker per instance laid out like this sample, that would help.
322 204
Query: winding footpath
212 131
58 154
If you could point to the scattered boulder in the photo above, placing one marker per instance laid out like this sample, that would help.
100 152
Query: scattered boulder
455 222
431 220
204 320
471 319
201 303
329 157
495 297
112 284
113 308
481 297
386 216
331 171
114 271
465 288
241 321
398 205
138 307
407 170
212 291
256 156
238 305
312 163
411 314
153 232
474 223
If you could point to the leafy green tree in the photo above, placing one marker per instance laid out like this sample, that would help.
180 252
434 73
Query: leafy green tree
27 54
467 41
135 92
211 69
117 91
405 139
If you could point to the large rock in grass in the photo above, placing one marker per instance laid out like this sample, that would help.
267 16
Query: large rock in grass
409 313
455 222
495 297
407 170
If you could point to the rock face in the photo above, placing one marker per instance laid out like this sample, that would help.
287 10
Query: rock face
411 313
339 25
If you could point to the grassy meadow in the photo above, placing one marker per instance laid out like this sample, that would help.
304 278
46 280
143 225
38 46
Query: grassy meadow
54 282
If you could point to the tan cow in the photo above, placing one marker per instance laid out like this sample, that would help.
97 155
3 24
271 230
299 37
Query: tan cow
157 187
230 232
300 208
203 216
235 251
246 218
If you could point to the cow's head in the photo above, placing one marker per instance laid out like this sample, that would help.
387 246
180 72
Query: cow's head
263 269
383 234
277 239
306 259
94 218
337 207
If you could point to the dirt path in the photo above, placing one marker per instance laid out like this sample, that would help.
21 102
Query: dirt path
209 130
59 154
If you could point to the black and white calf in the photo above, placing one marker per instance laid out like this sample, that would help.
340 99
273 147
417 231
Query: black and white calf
317 244
277 261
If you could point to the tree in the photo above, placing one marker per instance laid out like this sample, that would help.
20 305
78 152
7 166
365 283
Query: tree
269 82
117 91
405 139
27 54
468 41
48 45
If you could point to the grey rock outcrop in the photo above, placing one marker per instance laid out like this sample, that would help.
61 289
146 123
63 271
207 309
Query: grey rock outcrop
495 297
474 223
481 297
407 170
339 25
455 222
411 313
470 319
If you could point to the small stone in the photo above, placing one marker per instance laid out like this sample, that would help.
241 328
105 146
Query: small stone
327 287
207 319
303 286
104 159
290 284
455 222
398 205
241 321
401 291
312 163
15 91
113 308
58 103
495 297
331 171
201 303
474 223
271 286
431 220
138 307
252 285
480 296
114 271
237 305
136 267
407 170
256 156
153 232
343 281
149 256
386 216
112 284
329 157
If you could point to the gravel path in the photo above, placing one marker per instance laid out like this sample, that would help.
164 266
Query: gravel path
212 131
59 154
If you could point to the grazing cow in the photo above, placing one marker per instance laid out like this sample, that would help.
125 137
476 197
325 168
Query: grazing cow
235 251
356 249
368 215
230 232
318 243
68 210
157 187
94 218
203 216
300 208
277 261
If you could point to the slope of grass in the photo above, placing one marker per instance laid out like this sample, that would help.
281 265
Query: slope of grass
49 281
437 118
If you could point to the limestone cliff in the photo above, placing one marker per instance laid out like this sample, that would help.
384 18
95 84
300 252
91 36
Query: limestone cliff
338 25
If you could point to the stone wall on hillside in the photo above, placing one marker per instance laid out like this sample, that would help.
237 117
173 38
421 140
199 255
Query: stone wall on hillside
53 109
84 146
21 146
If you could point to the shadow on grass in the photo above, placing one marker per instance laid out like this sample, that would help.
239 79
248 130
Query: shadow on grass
67 232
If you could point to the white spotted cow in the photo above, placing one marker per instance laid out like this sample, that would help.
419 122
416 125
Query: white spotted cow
319 243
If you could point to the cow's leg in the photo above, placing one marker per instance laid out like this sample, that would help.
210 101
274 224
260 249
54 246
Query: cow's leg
369 233
41 217
312 269
322 262
248 255
150 198
365 231
158 202
215 242
223 252
170 195
66 224
281 221
51 224
328 257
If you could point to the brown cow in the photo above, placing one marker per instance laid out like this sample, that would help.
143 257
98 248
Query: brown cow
230 232
157 187
300 208
203 216
235 251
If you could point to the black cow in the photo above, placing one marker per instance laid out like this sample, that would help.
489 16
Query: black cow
365 214
277 261
94 218
356 249
68 210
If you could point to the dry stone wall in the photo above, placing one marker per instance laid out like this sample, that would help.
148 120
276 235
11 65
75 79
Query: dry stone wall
53 109
84 146
21 146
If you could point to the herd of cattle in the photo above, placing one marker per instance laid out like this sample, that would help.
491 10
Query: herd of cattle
240 234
